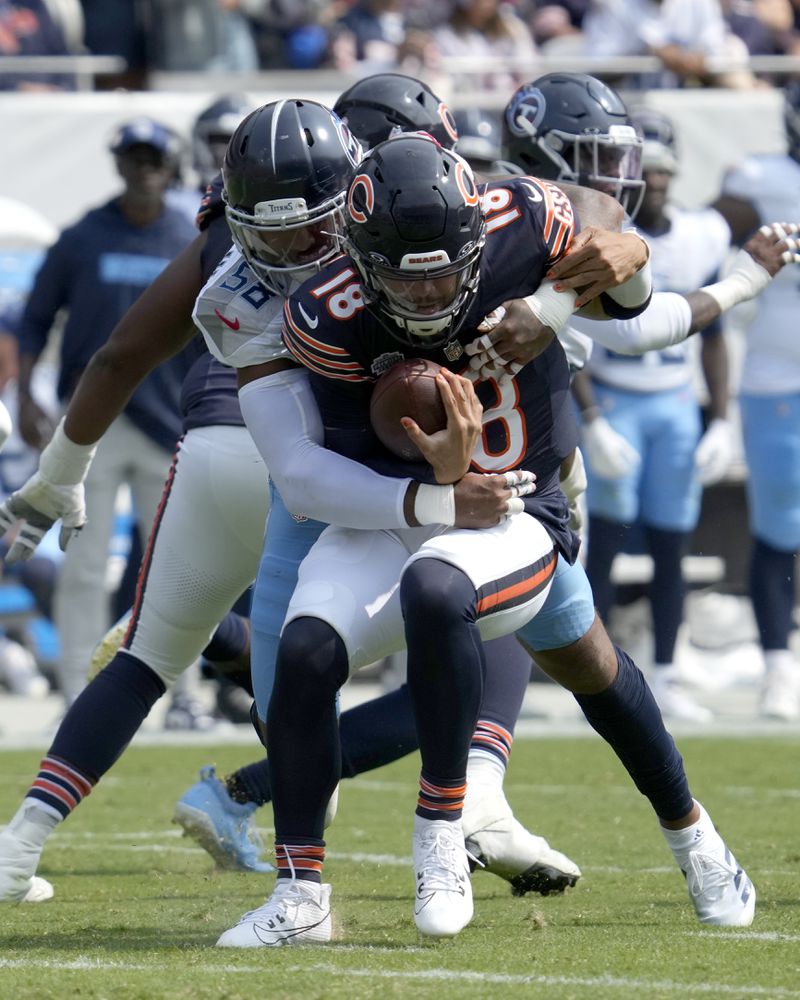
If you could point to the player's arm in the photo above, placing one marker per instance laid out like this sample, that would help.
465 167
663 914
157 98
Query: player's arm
50 292
601 257
156 327
671 317
327 486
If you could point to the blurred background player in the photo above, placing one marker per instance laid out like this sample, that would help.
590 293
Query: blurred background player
95 270
647 454
760 188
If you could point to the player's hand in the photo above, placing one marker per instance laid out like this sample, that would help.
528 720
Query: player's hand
512 336
598 260
608 453
775 245
485 500
449 451
32 510
35 425
714 453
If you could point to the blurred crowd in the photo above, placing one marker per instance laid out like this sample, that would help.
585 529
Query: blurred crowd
698 42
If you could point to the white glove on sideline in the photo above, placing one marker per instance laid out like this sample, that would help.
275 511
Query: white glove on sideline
608 453
714 452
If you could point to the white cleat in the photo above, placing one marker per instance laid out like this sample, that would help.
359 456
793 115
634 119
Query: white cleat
18 862
297 912
443 898
40 891
719 888
780 694
505 848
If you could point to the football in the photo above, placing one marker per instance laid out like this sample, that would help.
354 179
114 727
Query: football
407 389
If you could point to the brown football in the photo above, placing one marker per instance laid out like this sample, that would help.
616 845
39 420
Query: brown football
407 389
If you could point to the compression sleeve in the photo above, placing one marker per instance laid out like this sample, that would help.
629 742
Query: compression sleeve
283 418
666 321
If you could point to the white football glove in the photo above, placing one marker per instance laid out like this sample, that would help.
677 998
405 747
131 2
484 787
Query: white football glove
53 493
608 453
714 452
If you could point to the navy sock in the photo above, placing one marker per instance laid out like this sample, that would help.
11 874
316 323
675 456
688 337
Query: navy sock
628 719
302 728
377 732
445 664
106 715
606 539
667 590
230 640
508 673
772 593
252 782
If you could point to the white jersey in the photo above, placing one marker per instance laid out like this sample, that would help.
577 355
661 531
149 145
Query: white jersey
772 359
241 322
682 260
239 318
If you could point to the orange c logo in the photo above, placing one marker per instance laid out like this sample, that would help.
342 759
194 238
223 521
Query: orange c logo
364 182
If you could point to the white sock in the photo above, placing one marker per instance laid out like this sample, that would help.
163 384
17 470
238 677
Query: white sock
485 769
33 822
688 839
779 661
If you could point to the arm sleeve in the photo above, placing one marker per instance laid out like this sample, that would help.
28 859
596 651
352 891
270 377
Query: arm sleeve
666 321
283 417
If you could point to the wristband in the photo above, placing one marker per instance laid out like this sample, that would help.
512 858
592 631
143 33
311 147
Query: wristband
435 504
635 291
744 282
550 307
64 463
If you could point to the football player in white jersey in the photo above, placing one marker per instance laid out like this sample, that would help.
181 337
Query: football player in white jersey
761 188
185 586
650 402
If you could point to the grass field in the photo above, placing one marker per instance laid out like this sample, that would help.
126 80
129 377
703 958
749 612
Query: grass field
138 909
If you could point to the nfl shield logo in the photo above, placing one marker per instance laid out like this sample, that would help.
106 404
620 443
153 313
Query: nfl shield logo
453 350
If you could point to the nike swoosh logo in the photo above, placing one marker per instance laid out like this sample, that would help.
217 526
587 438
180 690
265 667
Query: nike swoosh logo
312 322
232 323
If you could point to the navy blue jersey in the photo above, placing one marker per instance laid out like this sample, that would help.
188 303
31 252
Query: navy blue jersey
96 270
528 422
210 391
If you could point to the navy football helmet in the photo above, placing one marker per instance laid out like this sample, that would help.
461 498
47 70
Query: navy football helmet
285 176
660 150
381 105
212 130
415 231
573 127
479 137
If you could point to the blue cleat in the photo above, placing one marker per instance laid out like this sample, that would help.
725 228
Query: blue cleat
221 826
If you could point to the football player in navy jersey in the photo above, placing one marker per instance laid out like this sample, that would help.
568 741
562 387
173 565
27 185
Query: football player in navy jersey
158 647
428 259
186 587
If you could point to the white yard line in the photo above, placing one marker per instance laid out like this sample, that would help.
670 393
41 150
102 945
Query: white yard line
643 986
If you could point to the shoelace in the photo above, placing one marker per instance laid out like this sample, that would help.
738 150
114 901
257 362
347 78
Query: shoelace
440 865
280 898
710 873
